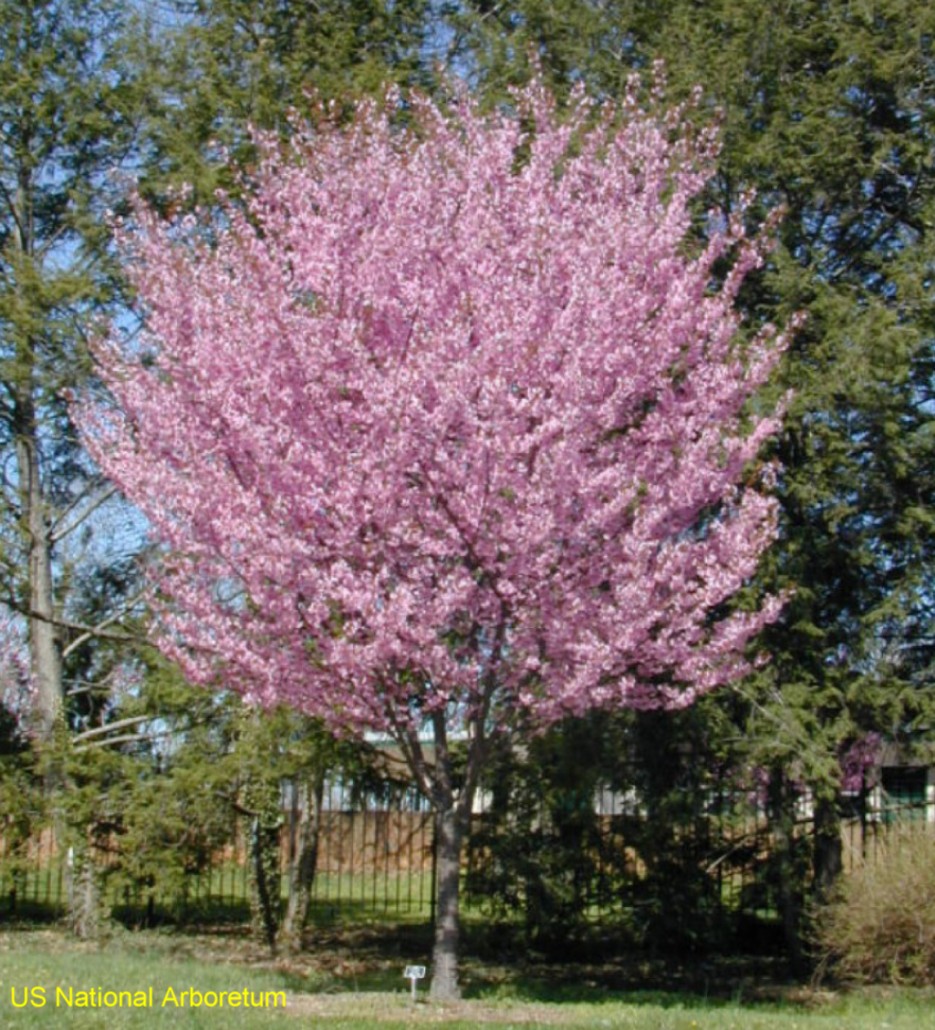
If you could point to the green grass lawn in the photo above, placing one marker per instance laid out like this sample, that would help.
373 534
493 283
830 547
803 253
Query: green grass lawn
48 980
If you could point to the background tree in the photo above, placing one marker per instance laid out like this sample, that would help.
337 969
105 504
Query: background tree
231 65
66 121
827 111
644 817
201 767
442 432
538 851
22 806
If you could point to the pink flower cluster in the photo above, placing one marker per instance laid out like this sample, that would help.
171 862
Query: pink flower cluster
448 418
860 759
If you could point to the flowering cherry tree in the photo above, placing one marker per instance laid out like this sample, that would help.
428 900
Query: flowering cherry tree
442 427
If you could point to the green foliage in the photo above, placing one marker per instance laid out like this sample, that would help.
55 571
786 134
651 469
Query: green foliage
156 812
22 806
68 111
826 111
231 65
67 123
554 848
684 782
881 926
537 848
173 812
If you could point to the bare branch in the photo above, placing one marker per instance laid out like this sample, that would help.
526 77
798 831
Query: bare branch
100 630
120 724
128 738
63 525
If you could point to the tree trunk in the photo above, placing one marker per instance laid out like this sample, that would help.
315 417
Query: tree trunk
265 855
45 654
451 797
303 860
83 893
449 834
786 870
44 647
828 863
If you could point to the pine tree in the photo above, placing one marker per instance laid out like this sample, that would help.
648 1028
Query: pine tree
826 109
232 65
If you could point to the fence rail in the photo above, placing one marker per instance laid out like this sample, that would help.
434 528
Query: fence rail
377 863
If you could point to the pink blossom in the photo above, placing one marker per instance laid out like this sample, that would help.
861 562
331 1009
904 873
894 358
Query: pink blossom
862 756
448 418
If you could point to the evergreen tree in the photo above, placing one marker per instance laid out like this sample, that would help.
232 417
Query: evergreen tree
88 89
827 110
229 65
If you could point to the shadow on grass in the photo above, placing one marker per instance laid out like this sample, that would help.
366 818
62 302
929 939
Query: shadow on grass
496 966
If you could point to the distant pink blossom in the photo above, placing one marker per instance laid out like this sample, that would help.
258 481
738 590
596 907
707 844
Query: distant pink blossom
860 757
17 687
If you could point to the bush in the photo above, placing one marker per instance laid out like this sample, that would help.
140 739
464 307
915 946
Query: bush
881 926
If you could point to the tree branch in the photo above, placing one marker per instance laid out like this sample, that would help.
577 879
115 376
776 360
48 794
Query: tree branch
127 738
99 631
56 533
120 724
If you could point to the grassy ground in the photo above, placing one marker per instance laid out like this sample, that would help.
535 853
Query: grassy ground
347 982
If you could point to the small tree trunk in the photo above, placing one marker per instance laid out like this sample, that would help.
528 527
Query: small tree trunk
449 834
788 878
84 895
265 855
828 862
303 860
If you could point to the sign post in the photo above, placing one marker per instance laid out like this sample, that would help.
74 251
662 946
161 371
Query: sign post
414 974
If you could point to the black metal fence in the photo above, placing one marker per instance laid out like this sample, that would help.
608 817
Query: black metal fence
376 863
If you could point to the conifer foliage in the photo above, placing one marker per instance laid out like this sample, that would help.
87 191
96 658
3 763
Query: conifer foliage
446 425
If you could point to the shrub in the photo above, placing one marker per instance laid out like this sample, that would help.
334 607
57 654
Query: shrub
881 926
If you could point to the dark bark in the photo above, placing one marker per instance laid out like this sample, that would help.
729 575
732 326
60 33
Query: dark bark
828 863
265 900
449 834
786 871
451 794
44 645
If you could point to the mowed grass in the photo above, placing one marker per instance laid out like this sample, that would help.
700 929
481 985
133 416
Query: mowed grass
332 997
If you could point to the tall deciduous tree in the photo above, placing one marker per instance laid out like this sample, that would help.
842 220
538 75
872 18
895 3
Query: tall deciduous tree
446 428
65 101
